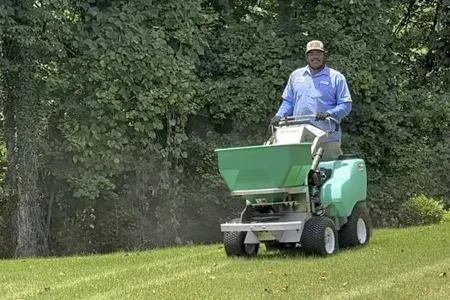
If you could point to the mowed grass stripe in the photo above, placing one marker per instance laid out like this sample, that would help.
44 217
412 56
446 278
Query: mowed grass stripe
361 272
150 286
397 264
157 254
133 278
256 281
59 274
402 281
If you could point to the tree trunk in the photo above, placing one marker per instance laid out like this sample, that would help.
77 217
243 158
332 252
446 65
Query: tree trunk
29 217
11 155
21 120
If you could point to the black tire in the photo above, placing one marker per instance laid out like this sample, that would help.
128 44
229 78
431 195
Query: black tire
349 236
234 244
320 236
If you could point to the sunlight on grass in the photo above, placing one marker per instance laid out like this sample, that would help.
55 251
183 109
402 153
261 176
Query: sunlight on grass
409 263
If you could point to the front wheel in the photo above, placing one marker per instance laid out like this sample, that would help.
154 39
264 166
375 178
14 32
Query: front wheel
235 246
320 236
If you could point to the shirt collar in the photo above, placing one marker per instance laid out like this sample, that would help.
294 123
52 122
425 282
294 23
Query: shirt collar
325 71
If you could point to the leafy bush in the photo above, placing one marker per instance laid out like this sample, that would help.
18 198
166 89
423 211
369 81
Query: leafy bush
446 217
421 210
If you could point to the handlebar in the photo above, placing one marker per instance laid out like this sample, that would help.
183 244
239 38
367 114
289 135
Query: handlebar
297 120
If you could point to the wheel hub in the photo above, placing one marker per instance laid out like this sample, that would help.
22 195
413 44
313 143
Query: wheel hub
361 231
329 240
250 248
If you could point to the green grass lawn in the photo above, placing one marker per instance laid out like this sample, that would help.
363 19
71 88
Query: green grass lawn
397 264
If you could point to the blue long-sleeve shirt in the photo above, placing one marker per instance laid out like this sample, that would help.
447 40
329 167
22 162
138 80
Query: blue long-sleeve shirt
307 94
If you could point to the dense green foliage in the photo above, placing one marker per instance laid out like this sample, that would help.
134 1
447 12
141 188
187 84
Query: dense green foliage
420 210
128 100
446 217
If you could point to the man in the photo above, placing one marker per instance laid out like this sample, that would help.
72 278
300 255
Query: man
317 90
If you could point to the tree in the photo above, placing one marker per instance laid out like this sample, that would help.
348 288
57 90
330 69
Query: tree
19 45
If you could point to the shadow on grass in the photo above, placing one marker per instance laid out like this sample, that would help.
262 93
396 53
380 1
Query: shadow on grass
294 253
298 253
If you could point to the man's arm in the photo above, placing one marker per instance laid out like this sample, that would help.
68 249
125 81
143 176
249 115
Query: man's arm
287 106
343 99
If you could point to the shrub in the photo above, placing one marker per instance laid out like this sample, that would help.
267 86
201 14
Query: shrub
421 210
446 217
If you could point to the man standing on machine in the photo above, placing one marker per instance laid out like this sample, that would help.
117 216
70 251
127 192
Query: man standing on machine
317 90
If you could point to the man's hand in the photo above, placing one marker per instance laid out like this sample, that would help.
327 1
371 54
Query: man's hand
322 116
275 120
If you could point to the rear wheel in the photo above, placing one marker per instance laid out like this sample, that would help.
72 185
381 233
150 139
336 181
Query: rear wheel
235 246
320 236
358 230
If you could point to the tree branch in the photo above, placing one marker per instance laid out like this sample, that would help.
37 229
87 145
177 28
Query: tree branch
405 19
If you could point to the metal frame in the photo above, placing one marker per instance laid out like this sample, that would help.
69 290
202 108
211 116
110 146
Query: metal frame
300 125
262 226
288 230
289 190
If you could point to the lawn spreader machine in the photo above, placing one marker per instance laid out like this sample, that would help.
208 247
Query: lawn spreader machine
292 198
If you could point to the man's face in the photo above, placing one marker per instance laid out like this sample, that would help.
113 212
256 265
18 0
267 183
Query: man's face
315 59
